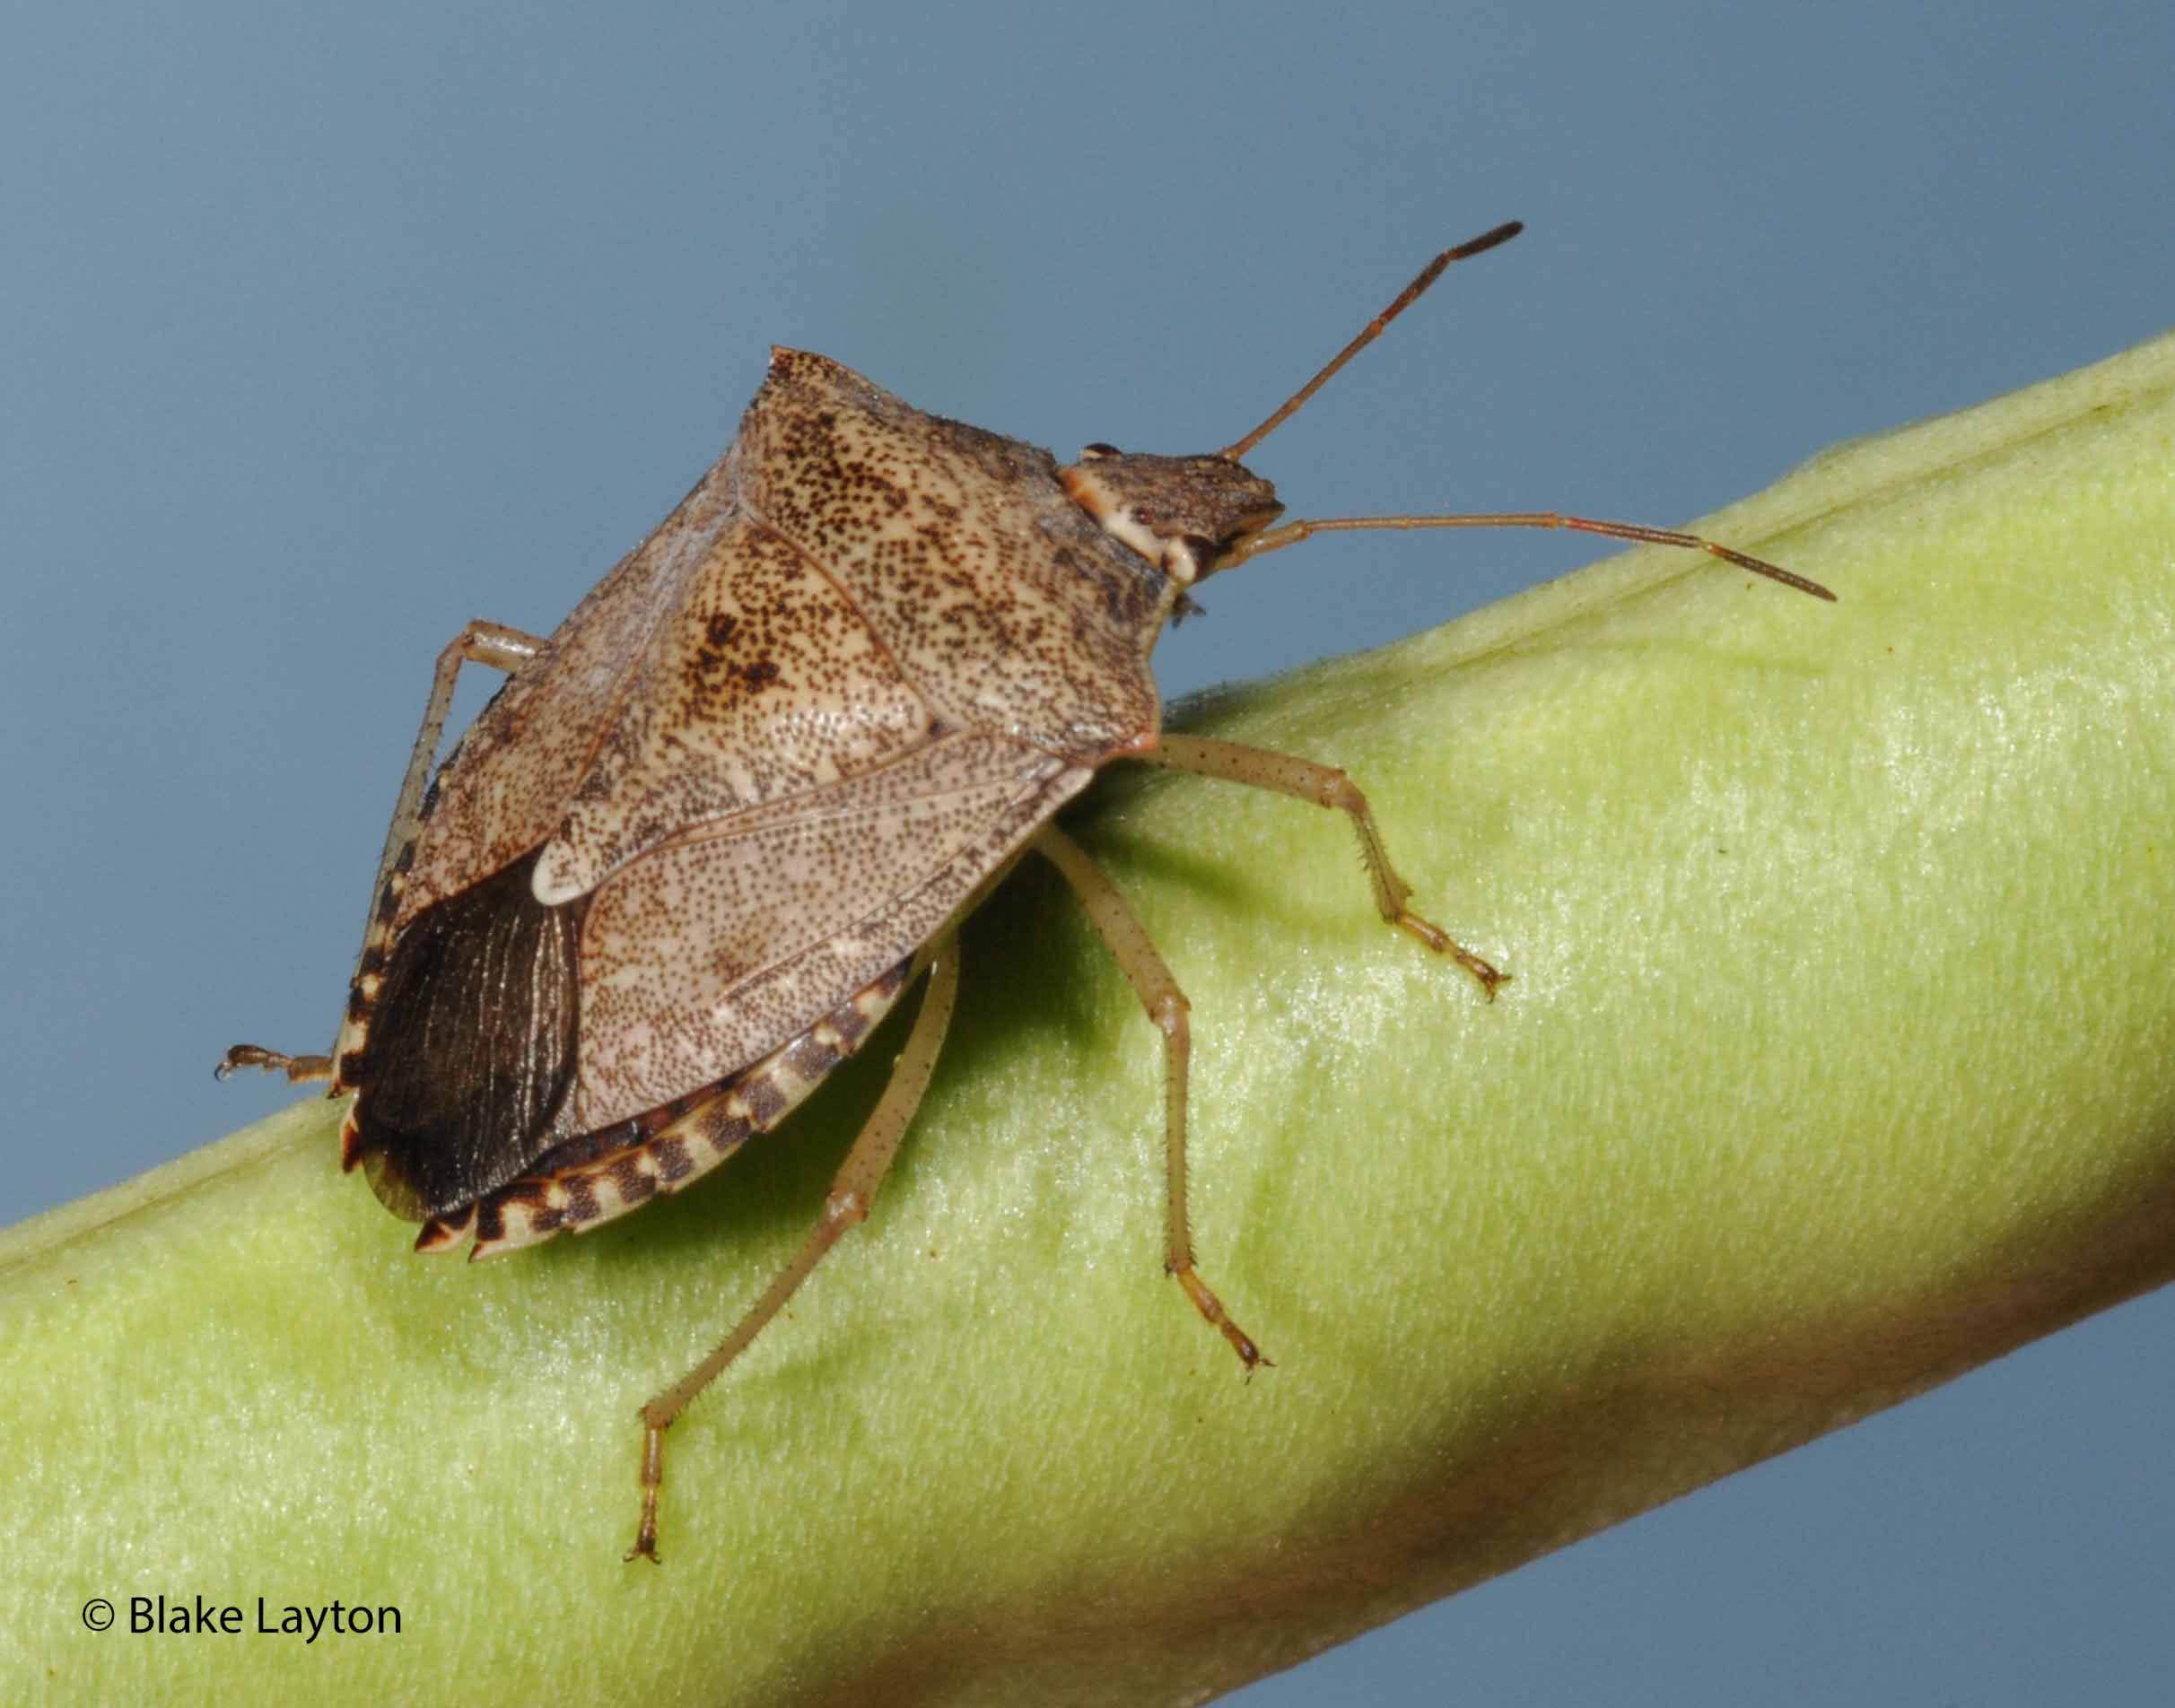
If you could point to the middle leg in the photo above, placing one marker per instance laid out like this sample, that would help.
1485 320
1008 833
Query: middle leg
1128 944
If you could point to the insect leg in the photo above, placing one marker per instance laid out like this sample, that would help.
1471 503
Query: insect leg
845 1206
1128 942
1326 786
298 1068
488 644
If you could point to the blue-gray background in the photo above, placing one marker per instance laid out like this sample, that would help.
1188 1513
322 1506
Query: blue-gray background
325 329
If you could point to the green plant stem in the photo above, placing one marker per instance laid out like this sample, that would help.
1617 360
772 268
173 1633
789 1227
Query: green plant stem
1837 1061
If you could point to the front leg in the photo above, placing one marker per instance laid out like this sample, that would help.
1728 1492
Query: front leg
1326 786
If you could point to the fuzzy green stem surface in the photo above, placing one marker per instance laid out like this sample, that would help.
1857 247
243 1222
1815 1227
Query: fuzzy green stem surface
1838 1058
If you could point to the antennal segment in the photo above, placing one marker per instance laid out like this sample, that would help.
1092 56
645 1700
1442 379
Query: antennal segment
1292 533
1405 299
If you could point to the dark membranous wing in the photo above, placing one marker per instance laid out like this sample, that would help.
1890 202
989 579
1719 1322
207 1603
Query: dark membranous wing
506 1026
475 1047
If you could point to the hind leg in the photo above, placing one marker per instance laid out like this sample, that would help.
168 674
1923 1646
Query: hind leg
299 1070
845 1206
490 643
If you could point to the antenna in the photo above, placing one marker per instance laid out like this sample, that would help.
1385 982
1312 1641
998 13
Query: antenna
1292 533
1406 297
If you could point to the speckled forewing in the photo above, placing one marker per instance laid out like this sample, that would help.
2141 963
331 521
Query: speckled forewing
519 764
716 948
1004 603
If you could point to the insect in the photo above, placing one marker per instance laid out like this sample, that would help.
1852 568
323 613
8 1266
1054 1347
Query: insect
713 826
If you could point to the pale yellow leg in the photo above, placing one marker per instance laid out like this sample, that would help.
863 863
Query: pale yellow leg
1326 786
1128 942
846 1207
490 643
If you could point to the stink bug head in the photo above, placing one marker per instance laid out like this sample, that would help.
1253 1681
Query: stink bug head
1191 516
1186 515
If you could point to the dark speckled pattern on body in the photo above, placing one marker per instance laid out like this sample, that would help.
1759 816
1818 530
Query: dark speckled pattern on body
775 753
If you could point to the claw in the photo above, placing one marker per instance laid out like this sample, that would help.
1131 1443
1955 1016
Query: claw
298 1068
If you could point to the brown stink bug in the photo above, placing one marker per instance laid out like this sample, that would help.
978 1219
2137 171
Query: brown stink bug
712 828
